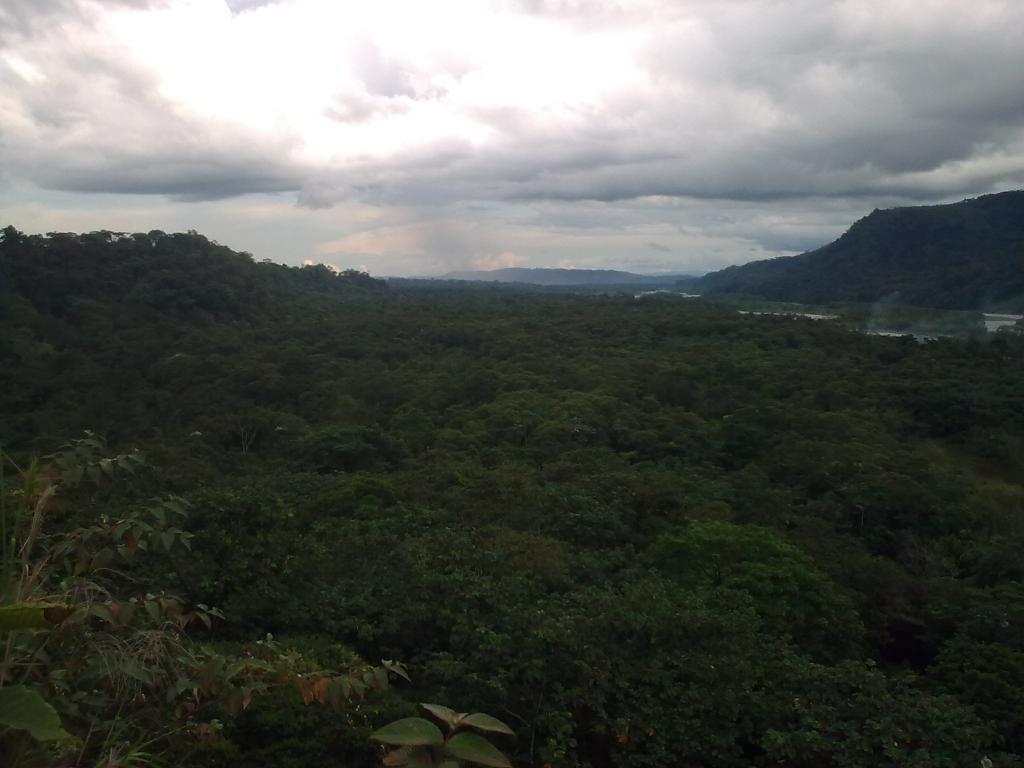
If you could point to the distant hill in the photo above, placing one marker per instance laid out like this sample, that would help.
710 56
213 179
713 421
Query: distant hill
182 274
964 255
563 277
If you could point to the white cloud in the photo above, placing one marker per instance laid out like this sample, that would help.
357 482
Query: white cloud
499 261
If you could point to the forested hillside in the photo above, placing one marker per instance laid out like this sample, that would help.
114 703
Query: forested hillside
967 255
651 533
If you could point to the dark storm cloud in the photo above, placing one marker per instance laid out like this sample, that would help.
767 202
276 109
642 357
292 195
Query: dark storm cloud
187 178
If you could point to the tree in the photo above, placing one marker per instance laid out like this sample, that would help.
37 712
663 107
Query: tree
792 596
93 675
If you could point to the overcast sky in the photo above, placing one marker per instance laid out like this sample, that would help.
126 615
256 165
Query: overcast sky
413 137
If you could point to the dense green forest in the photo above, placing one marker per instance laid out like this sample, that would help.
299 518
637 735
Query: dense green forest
643 533
968 255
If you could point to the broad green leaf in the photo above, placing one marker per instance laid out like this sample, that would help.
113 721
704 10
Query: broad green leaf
474 748
409 732
133 669
102 612
444 714
483 722
395 668
28 616
26 710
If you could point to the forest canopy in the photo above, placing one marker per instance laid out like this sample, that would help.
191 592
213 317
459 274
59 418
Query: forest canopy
647 532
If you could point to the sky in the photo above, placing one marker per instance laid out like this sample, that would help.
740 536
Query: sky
406 137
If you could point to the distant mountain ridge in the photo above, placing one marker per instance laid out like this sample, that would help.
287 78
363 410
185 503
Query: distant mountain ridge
966 255
566 277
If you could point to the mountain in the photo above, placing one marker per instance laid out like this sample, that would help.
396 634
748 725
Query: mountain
562 277
966 255
182 274
105 315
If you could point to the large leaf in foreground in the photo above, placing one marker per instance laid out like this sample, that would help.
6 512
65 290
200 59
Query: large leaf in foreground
474 748
410 732
483 722
26 710
447 715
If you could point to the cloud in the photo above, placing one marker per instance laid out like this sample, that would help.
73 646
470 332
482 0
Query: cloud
543 112
23 18
499 261
240 6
